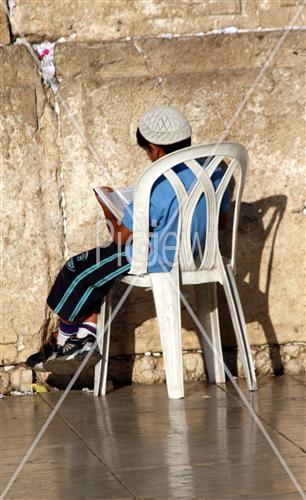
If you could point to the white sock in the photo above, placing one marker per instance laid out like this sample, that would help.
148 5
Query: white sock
83 331
64 332
62 338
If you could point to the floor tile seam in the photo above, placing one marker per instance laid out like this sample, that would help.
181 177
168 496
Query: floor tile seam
245 497
297 380
275 430
235 396
187 467
78 435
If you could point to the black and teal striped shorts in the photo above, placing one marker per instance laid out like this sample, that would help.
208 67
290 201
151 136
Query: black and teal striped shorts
84 280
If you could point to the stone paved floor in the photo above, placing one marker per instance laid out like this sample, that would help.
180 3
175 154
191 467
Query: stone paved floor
135 443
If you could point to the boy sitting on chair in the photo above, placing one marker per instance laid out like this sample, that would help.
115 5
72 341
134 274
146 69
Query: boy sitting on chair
85 279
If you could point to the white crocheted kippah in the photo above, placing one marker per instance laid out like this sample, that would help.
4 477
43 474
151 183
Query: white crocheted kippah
164 125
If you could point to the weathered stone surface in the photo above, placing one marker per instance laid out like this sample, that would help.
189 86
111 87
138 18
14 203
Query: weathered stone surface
292 350
281 13
263 363
5 36
148 370
219 53
21 379
270 126
303 359
4 381
104 88
193 367
293 366
108 20
8 354
104 62
31 221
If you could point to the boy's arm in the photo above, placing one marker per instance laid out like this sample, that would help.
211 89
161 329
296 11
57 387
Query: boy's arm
118 231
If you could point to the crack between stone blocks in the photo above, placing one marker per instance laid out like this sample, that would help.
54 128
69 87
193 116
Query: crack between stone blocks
10 6
40 112
45 53
89 448
43 330
61 181
49 81
240 8
229 31
156 78
11 365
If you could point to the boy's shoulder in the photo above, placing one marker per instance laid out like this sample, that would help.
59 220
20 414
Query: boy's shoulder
162 185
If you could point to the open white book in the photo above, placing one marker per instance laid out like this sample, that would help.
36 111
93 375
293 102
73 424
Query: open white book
116 200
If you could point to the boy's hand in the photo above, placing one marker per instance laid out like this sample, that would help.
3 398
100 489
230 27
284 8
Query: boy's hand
106 188
118 231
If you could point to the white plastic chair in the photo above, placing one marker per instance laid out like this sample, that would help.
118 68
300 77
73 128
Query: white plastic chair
212 269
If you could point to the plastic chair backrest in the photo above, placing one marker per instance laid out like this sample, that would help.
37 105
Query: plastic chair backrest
187 202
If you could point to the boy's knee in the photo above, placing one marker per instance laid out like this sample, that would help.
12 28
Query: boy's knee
70 264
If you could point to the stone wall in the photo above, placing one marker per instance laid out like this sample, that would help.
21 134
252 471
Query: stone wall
31 222
113 62
99 20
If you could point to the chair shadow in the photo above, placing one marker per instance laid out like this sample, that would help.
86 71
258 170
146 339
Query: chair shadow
259 221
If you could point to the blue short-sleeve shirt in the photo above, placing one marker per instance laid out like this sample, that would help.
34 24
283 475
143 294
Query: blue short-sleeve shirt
164 219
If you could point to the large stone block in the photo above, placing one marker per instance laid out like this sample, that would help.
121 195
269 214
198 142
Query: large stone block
109 20
217 54
207 79
97 20
98 144
280 13
5 36
31 221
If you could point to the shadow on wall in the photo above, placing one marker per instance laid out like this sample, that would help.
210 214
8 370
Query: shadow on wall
259 221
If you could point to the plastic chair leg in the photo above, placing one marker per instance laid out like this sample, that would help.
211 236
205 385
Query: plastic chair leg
207 306
239 325
103 345
166 293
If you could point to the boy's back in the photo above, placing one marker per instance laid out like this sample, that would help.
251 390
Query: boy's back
164 212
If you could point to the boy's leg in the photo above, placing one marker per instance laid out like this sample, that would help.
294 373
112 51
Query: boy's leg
77 293
81 328
84 280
